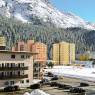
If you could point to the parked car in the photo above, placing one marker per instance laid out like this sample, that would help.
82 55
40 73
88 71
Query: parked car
11 88
35 86
77 90
55 78
64 86
52 84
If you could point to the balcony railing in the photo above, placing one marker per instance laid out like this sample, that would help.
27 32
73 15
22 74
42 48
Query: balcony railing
2 77
12 68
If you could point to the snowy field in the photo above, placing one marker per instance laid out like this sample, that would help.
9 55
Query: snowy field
74 72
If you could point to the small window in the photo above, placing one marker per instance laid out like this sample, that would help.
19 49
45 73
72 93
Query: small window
12 82
13 56
22 81
28 56
22 56
22 64
27 81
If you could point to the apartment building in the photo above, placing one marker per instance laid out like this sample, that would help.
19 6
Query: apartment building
16 68
29 45
63 53
55 54
23 46
2 43
41 49
39 59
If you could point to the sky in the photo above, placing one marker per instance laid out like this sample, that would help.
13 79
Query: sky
83 8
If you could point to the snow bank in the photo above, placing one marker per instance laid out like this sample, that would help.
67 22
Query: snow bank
26 93
73 71
36 92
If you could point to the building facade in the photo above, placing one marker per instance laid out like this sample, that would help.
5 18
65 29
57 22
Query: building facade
16 68
23 46
40 59
63 53
2 43
41 49
29 45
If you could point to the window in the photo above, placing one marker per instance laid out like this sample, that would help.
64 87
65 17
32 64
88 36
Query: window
2 65
22 56
13 56
6 83
28 56
27 81
22 64
12 82
22 81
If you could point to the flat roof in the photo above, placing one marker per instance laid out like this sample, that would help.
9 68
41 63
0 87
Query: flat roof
26 52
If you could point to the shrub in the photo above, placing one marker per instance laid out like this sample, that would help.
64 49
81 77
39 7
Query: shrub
35 86
84 84
54 78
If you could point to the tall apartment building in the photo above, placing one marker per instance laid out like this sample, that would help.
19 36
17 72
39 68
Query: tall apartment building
2 43
39 59
16 68
63 53
55 54
41 49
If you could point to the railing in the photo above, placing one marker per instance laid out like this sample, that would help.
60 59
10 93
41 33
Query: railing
2 77
12 68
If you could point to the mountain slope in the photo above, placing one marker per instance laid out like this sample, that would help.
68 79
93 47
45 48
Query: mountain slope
26 10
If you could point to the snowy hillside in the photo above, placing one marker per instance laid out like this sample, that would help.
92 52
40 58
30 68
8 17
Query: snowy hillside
24 10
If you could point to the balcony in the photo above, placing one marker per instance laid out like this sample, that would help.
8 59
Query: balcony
12 68
2 77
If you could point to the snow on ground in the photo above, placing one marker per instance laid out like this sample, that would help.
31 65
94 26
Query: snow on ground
72 71
26 93
19 17
36 81
36 92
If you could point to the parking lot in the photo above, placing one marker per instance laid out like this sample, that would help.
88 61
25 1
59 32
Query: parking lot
90 90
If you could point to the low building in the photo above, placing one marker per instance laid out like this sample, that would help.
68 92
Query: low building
86 56
16 68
